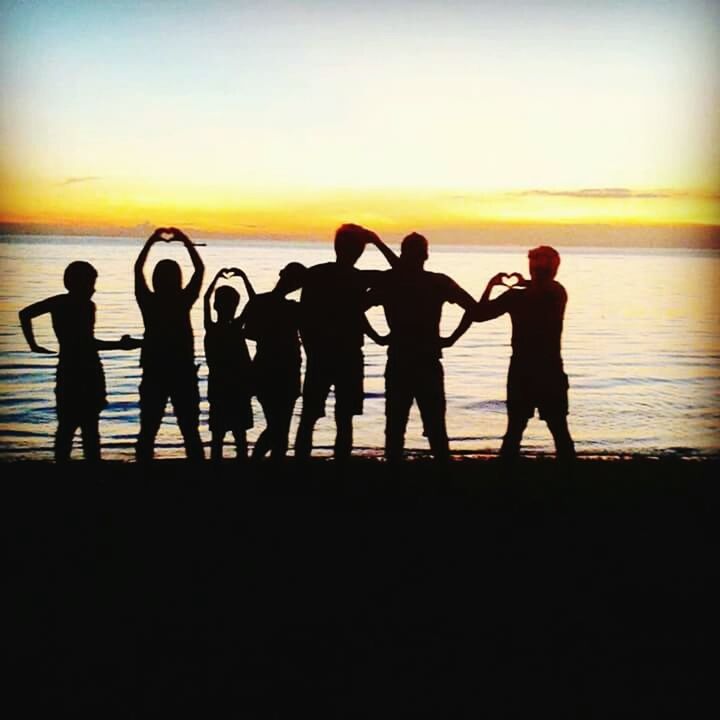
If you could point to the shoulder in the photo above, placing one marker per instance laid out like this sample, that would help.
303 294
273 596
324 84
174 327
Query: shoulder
256 300
447 287
440 279
59 303
316 273
378 280
559 291
513 299
56 301
321 268
377 276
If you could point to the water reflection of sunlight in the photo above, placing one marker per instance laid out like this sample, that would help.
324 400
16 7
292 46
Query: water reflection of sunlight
641 346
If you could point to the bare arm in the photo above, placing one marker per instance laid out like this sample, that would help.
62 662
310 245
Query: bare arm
141 287
488 309
374 335
388 254
241 319
246 281
465 322
193 287
463 298
207 314
26 316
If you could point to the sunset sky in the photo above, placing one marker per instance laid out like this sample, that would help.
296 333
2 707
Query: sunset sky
287 118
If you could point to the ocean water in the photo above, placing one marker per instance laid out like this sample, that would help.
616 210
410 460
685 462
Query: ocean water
641 347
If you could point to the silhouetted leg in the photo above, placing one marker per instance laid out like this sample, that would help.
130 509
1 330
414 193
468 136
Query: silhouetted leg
64 438
91 438
262 445
343 435
240 437
398 401
152 408
216 445
430 395
281 428
510 448
264 441
304 437
186 403
564 445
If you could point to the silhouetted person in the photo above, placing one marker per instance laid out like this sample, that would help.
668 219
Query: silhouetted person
332 328
273 321
413 299
80 380
168 352
228 360
536 378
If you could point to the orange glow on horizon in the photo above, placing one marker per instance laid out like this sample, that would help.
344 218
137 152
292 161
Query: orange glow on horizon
99 203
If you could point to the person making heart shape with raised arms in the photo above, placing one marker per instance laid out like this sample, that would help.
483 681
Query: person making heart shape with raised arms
168 352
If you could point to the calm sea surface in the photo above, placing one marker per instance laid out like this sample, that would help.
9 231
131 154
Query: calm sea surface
641 347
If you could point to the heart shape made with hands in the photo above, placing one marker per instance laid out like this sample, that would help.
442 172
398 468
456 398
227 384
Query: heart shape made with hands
227 273
512 280
167 235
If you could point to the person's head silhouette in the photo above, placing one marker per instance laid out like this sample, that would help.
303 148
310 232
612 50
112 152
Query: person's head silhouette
349 243
544 263
291 278
414 251
79 279
226 301
167 277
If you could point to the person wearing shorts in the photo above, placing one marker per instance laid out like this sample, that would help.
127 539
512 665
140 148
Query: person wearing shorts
332 329
536 377
413 299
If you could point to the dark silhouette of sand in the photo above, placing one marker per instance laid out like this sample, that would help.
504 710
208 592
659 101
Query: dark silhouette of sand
360 590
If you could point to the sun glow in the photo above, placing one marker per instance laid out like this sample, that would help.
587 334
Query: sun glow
285 119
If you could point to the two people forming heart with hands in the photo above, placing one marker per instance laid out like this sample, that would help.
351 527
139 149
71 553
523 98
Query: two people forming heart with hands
509 280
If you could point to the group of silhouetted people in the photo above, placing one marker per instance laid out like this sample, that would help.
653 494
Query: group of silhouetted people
330 323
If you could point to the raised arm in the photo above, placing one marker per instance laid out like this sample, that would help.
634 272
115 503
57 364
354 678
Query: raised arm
141 287
26 316
488 309
388 254
193 287
246 281
207 314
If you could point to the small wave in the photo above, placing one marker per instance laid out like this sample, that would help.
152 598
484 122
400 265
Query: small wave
491 405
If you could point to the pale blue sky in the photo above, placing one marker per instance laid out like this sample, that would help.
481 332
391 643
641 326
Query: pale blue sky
453 95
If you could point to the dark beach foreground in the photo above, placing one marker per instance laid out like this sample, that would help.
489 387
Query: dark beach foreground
362 591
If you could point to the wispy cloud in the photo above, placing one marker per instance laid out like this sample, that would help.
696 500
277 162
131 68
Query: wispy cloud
617 194
83 179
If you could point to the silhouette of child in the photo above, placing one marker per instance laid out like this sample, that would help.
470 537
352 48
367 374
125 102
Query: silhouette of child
168 354
80 380
272 321
229 365
536 378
